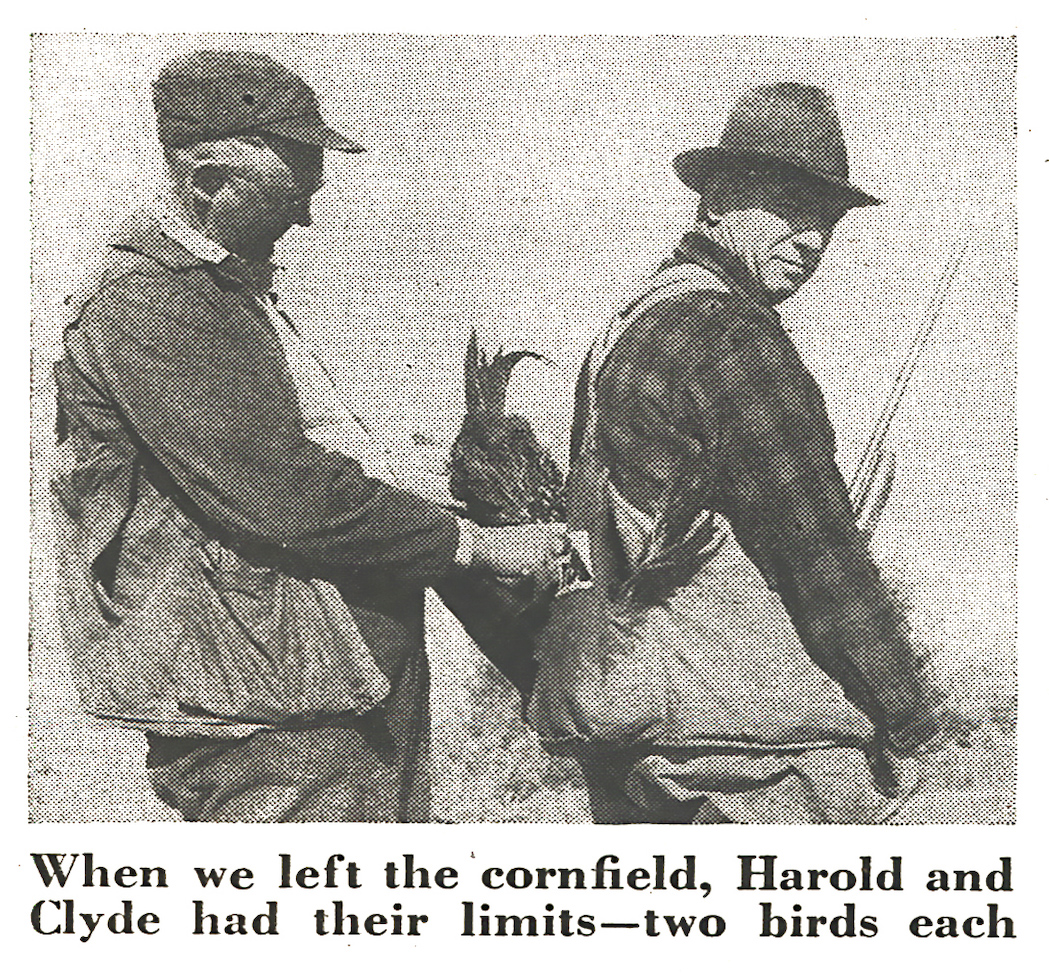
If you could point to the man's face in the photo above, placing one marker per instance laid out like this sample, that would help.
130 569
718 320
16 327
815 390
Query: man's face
779 227
301 177
265 191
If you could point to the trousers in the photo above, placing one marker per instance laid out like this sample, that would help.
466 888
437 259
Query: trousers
337 768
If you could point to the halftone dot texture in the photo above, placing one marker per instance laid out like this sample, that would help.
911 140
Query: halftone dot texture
522 186
787 128
210 95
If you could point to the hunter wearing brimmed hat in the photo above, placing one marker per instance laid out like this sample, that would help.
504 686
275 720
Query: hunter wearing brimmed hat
703 469
242 579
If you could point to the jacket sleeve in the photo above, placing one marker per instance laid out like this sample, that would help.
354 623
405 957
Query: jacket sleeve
211 400
772 473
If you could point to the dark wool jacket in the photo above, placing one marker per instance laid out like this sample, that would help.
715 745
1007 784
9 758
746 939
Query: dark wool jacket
704 403
187 492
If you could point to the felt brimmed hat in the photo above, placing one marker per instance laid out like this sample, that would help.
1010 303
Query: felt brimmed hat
220 94
789 128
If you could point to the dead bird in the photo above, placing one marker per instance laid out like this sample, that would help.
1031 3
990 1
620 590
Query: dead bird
497 467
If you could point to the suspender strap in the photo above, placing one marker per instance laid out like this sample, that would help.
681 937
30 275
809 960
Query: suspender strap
668 285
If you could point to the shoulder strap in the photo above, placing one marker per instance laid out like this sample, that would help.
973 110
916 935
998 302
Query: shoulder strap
667 285
672 282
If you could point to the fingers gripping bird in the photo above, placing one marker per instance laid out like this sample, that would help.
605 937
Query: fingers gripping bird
498 468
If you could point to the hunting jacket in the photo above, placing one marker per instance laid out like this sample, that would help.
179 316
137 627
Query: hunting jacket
704 404
196 520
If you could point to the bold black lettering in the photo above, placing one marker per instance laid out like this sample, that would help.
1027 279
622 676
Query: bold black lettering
920 925
56 870
1004 884
682 924
34 917
937 880
993 921
517 925
446 877
748 872
771 924
712 925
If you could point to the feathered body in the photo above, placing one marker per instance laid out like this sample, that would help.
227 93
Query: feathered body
498 468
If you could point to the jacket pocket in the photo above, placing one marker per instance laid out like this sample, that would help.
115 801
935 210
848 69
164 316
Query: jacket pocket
164 621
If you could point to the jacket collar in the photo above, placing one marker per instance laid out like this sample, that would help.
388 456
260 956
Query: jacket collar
176 228
159 233
695 248
143 234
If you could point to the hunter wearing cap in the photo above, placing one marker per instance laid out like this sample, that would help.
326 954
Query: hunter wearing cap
242 579
703 467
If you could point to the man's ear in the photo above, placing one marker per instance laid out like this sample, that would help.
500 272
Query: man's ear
206 180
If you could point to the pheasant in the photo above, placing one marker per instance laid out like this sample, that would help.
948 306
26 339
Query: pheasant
498 468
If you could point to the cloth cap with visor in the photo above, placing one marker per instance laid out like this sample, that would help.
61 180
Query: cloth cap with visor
221 94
